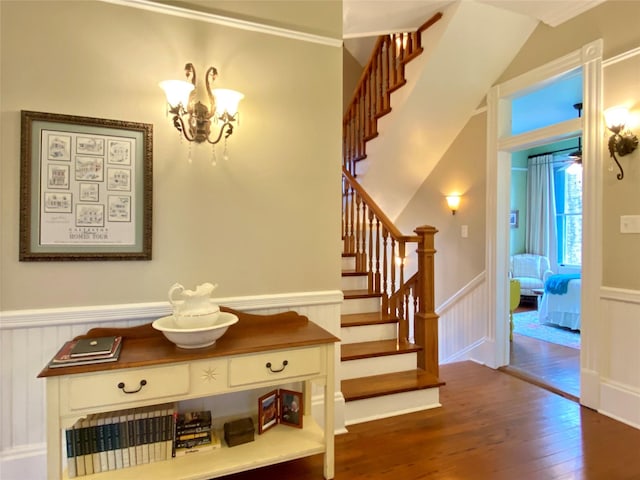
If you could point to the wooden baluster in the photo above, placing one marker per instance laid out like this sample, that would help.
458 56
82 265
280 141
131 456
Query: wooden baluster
358 231
426 319
363 238
403 327
376 278
370 284
385 269
350 243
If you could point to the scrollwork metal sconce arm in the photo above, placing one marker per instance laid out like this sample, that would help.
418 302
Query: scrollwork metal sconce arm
623 144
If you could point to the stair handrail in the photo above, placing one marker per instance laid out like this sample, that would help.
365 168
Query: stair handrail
371 99
372 238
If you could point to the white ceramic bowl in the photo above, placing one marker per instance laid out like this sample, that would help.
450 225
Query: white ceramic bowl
197 320
195 337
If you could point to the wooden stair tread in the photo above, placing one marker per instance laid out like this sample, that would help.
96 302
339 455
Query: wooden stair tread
361 319
378 348
388 384
364 293
354 273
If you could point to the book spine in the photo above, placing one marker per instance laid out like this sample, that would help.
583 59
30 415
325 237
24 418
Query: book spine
86 445
111 456
157 429
124 439
80 468
173 432
131 429
138 434
93 423
169 429
72 472
145 435
117 441
102 443
151 440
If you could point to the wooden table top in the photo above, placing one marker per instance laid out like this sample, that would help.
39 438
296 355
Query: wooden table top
144 346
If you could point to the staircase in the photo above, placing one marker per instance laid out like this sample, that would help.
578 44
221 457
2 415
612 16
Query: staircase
389 329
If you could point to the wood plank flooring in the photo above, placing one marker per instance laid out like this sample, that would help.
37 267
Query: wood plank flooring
552 366
492 426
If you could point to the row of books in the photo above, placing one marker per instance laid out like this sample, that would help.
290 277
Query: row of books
126 438
194 433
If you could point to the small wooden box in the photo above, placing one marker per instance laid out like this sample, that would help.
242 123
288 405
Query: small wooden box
239 431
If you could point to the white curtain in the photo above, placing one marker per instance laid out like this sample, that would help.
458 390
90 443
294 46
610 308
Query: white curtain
540 232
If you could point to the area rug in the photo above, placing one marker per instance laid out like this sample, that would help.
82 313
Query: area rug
526 323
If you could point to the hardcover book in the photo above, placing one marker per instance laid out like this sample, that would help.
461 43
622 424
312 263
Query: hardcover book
64 359
93 346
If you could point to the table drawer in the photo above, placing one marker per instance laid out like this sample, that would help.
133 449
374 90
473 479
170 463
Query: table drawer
127 385
276 365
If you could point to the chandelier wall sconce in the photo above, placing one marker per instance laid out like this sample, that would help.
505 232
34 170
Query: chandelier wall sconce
621 142
196 121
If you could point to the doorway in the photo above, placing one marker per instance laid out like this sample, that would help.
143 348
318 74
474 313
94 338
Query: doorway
501 143
545 345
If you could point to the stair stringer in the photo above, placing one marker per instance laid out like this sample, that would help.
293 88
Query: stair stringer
464 54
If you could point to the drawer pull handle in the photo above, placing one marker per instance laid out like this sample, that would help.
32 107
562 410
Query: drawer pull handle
142 384
284 365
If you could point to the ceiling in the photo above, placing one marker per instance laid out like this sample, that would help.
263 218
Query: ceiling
364 20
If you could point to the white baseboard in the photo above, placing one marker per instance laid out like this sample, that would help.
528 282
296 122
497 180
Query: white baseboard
620 403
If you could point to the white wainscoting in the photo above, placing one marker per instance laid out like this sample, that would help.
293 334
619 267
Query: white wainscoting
29 338
462 327
620 347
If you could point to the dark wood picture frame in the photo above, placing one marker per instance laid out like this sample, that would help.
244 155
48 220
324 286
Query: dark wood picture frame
60 155
280 406
267 411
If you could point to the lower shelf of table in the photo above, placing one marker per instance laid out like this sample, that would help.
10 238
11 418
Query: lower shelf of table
278 444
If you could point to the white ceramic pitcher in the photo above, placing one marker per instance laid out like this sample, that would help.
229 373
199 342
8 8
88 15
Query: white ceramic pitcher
193 308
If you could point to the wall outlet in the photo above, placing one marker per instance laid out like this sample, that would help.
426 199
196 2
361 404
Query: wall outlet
464 231
630 224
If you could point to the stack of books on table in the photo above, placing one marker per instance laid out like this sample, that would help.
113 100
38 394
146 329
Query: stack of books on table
113 440
87 351
194 433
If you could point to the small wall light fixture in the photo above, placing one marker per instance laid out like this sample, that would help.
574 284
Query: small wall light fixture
193 119
621 142
454 202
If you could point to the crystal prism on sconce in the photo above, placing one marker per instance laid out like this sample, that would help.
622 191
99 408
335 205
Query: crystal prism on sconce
194 119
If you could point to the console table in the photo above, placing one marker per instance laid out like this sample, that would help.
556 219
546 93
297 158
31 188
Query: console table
237 362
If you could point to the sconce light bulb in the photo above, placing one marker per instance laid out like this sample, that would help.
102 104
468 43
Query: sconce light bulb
454 202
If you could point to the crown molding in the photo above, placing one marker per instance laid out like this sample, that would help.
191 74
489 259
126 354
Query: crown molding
226 21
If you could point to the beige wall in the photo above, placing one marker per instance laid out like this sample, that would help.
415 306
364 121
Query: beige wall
267 221
621 252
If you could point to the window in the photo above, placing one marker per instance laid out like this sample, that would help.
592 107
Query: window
568 193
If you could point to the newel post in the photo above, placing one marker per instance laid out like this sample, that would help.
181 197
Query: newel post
426 320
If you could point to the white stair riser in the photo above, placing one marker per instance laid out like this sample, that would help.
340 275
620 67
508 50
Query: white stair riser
369 333
348 263
360 305
359 411
365 367
354 282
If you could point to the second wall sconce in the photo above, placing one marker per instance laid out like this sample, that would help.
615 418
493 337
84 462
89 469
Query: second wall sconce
454 202
621 142
193 119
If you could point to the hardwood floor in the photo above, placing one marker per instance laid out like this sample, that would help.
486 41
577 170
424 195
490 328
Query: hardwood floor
546 364
491 426
551 366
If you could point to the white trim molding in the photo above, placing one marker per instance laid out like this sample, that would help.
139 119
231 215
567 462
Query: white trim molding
226 21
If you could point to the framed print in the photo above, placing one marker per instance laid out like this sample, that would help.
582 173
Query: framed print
513 219
85 188
280 406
